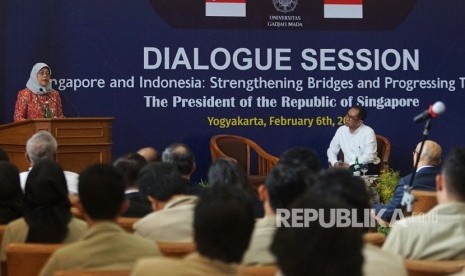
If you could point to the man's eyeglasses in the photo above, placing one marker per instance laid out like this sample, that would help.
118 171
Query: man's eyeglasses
352 118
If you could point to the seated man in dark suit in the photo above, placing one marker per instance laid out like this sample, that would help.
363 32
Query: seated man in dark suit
130 165
181 156
425 178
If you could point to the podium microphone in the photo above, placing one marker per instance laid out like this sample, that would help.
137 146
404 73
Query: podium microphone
434 110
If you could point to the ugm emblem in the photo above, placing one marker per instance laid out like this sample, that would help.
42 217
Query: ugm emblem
285 5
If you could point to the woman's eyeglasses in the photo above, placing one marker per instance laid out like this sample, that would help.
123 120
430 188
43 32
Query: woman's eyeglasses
44 73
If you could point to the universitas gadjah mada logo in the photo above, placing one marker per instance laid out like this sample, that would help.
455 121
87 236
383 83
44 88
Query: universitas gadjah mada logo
285 5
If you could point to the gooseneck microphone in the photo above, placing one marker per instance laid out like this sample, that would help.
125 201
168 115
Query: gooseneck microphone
434 110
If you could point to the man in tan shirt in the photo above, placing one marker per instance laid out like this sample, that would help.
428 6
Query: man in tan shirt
440 234
223 224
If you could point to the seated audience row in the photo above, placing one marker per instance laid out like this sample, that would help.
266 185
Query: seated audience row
221 219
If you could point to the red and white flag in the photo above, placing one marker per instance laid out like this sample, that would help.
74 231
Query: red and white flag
226 8
343 8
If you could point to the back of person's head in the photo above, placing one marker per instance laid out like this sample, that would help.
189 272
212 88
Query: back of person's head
129 165
453 169
223 224
317 249
11 194
46 203
101 191
301 156
224 172
431 153
342 185
181 156
4 155
161 181
150 154
285 183
42 145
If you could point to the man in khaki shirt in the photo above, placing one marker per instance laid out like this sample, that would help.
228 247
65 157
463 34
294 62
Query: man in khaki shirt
173 210
288 180
106 245
440 234
223 224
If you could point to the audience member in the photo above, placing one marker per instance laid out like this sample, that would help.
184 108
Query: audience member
183 158
301 156
11 195
3 155
342 186
425 178
223 172
284 184
150 154
130 165
315 249
356 140
42 145
223 224
440 234
173 210
105 245
47 215
38 96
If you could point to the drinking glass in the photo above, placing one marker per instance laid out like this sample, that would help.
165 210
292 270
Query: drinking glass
364 168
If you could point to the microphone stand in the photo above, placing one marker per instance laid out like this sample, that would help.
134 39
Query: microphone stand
408 198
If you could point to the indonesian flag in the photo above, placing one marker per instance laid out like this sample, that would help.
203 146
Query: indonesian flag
227 8
343 8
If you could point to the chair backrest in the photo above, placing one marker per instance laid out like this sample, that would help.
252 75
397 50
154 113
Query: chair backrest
93 273
2 230
28 258
384 150
176 249
242 150
433 268
374 238
424 201
126 223
2 264
262 270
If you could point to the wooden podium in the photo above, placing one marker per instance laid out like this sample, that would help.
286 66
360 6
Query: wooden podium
81 141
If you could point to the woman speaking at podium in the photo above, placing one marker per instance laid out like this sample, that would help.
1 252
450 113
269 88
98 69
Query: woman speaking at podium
38 99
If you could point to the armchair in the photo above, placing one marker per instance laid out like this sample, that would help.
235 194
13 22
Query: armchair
255 161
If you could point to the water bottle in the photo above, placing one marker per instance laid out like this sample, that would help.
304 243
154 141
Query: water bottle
356 167
47 113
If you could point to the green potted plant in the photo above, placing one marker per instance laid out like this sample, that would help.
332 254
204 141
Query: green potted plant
386 184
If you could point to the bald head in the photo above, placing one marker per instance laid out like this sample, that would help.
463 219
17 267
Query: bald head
431 154
150 154
181 156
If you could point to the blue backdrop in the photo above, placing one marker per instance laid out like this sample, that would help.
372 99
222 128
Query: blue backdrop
100 50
